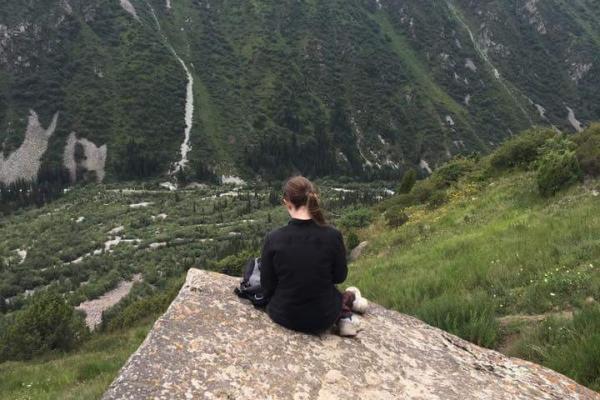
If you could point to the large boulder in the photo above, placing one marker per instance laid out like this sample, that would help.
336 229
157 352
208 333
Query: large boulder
358 250
212 345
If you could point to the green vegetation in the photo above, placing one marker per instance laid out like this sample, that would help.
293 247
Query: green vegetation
588 150
569 346
498 247
408 181
81 374
47 323
558 166
395 217
356 218
338 88
521 150
140 305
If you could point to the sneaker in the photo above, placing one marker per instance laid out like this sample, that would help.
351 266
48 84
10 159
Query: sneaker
360 304
348 326
354 290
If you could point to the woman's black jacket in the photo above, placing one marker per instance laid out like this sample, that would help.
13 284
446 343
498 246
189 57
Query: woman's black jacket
301 263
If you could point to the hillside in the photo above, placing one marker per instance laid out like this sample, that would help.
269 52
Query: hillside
479 251
357 88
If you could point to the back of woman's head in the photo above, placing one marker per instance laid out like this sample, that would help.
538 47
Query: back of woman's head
301 192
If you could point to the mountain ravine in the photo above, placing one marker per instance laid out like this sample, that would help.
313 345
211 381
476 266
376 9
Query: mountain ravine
125 89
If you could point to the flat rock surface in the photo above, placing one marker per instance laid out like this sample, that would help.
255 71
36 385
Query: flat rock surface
212 345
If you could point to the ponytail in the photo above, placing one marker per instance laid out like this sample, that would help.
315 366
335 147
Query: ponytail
314 207
301 192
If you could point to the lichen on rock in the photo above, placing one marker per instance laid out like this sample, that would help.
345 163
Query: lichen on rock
212 345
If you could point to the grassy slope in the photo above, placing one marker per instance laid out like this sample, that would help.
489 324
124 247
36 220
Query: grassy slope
84 374
495 249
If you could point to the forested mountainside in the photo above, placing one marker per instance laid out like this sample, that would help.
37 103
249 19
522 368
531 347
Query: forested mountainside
123 89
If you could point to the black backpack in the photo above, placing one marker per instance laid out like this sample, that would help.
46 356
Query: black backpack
250 286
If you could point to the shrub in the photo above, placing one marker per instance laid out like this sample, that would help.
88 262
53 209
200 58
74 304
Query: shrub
234 264
437 198
452 171
423 190
408 181
356 218
396 217
588 150
520 151
558 167
48 323
352 240
8 290
399 200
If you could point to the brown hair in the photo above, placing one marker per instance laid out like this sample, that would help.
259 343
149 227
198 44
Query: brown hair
301 192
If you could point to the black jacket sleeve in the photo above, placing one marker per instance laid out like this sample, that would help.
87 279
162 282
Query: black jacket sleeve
340 267
268 280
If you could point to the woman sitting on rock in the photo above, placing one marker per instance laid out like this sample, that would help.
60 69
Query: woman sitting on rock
302 262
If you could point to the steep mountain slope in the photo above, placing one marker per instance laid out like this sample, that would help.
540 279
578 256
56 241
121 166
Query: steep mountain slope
359 87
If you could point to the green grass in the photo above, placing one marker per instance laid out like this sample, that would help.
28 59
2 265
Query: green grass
570 346
496 248
83 374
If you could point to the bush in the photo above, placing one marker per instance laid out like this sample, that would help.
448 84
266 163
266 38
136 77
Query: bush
396 217
403 200
48 323
558 167
352 240
452 171
588 150
520 151
437 198
423 190
356 218
233 265
408 181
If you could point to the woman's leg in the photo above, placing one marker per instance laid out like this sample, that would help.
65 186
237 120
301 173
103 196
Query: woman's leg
345 324
347 301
